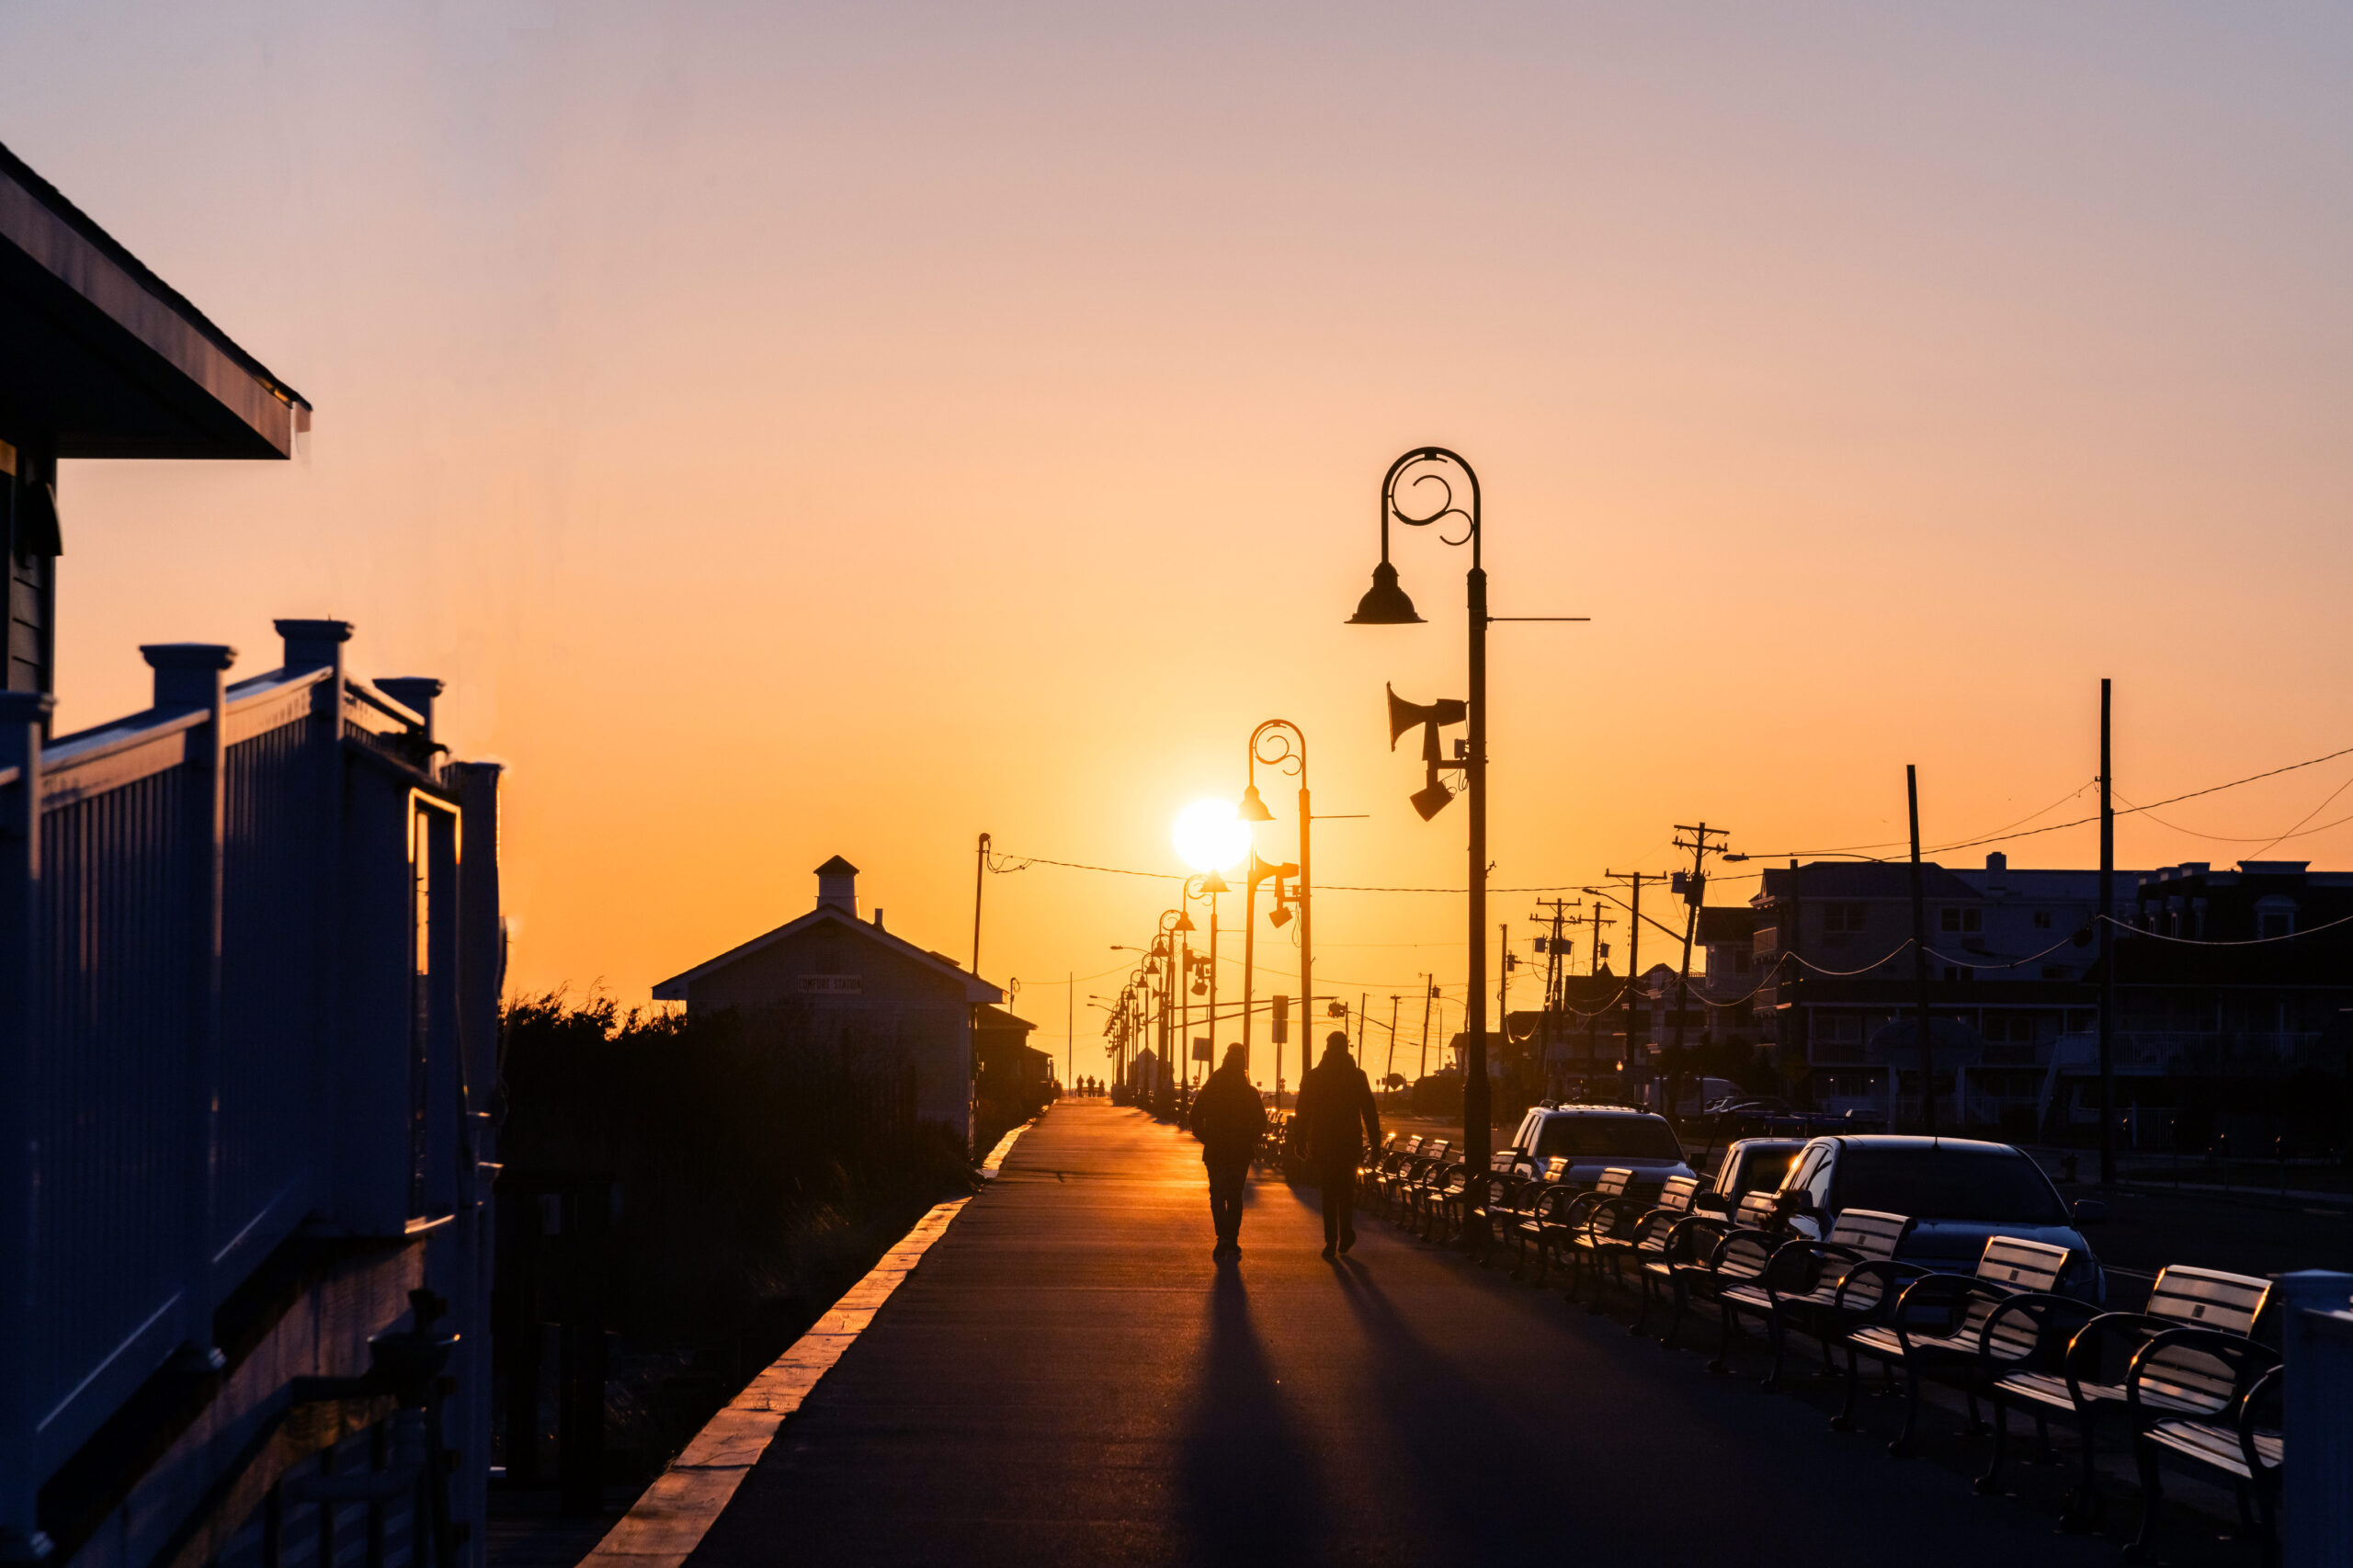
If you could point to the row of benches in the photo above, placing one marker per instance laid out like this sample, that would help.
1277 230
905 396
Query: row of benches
2188 1376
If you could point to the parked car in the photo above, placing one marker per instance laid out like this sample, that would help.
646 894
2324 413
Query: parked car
1750 1165
1959 1193
1594 1138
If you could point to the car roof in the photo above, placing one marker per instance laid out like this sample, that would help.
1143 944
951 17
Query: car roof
1909 1141
1609 1110
1766 1143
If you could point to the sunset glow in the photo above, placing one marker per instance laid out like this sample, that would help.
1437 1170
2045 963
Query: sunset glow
1210 836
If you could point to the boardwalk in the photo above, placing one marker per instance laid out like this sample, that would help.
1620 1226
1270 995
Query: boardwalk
1068 1379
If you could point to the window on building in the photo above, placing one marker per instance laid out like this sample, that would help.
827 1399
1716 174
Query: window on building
2042 920
1960 972
1963 920
1841 918
2275 923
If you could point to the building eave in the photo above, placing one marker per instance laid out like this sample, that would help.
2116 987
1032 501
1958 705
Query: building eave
104 358
976 990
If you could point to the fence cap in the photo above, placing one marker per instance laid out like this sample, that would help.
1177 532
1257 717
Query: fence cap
188 655
313 641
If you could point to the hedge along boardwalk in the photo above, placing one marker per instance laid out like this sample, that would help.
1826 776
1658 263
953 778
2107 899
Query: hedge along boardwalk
669 1521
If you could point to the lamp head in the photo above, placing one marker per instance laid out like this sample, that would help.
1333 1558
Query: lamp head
1278 916
1431 797
1212 882
1384 604
1253 809
1184 922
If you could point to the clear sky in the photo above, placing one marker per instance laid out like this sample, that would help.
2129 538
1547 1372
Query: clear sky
795 430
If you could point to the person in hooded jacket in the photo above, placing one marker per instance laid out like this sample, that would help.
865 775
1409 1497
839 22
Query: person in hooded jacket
1227 1118
1338 1118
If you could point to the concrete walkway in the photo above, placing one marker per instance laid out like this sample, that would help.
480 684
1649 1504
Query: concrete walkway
1068 1379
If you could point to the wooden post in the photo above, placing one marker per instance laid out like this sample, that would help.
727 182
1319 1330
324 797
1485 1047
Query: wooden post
23 719
2104 921
195 675
1919 963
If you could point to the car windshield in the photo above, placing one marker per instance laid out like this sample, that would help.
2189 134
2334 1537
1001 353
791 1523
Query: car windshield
1761 1168
1938 1183
1609 1137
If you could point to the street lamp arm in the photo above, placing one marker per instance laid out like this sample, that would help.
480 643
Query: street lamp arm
1447 507
1289 748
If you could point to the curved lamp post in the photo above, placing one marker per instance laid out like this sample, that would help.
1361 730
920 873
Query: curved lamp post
1419 491
1280 745
1200 885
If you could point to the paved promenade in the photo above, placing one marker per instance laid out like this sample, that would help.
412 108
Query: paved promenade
1067 1378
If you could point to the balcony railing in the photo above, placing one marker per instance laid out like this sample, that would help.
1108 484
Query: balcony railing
231 935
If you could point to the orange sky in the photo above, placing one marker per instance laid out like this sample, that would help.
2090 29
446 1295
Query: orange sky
794 432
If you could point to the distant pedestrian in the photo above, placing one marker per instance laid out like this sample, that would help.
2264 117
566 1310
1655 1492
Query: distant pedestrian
1227 1118
1338 1118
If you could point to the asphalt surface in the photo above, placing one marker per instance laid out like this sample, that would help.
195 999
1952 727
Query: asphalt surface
1068 1379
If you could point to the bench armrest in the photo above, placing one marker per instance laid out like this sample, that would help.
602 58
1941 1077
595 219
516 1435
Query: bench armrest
2047 1312
2264 1391
1615 1210
1894 1278
2083 1359
1791 1269
2243 1357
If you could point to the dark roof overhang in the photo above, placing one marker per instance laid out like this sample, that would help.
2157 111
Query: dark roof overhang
102 357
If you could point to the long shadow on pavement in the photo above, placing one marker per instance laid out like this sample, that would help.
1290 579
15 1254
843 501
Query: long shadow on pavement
1250 1489
1443 1419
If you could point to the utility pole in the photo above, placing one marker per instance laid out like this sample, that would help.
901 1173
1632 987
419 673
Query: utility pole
1390 1071
1597 920
2105 922
1555 982
1695 890
1070 1029
1789 980
1920 960
1430 989
1634 880
980 880
1363 998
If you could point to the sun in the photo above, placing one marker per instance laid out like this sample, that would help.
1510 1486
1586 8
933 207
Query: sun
1211 836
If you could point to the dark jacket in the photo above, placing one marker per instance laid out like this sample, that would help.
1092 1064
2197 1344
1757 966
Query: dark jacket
1337 1115
1228 1116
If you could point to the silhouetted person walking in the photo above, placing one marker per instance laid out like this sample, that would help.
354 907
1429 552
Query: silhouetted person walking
1227 1118
1338 1116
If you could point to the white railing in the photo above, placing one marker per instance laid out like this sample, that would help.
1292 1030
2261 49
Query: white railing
231 932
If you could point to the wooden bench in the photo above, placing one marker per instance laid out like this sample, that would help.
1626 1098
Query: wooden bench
1531 1210
1491 1194
1688 1266
1622 1228
2090 1380
1825 1288
1418 1172
1568 1221
1948 1322
1395 1169
1442 1183
2233 1433
1375 1161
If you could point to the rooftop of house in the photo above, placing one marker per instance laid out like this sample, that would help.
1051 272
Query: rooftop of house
837 907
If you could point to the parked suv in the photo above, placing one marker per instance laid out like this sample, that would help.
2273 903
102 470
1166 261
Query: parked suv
1594 1138
1959 1192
